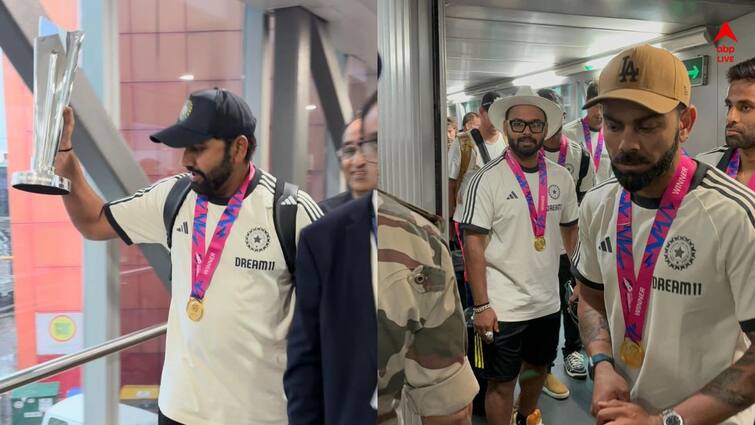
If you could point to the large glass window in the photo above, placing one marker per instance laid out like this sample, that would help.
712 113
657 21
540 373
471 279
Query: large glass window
166 50
40 250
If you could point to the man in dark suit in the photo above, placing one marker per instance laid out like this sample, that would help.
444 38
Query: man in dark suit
332 346
358 158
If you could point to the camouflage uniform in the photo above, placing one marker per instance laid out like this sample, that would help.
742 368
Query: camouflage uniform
421 331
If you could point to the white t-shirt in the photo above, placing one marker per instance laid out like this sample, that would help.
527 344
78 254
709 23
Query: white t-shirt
718 157
522 282
475 163
702 293
573 164
574 131
228 367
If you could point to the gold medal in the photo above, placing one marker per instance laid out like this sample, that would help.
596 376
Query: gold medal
195 309
540 243
632 353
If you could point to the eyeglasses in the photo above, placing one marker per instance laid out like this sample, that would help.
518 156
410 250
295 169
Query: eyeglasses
518 126
367 147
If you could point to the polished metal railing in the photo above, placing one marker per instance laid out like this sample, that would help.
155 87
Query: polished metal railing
70 361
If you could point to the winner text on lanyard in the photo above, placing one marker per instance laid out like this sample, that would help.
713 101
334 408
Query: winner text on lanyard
635 289
733 168
537 217
204 263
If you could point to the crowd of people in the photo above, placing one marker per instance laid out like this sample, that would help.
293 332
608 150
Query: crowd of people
353 311
661 316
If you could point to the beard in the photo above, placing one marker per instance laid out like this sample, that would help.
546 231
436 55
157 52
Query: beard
515 145
213 180
745 140
633 181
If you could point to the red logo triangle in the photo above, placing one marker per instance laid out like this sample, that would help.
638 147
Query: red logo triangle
725 31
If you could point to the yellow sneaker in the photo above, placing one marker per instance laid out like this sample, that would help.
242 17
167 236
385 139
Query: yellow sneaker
555 388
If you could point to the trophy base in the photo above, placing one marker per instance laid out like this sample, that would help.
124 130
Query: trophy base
44 183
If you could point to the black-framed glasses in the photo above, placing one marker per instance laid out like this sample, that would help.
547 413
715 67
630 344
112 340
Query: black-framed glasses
367 147
518 126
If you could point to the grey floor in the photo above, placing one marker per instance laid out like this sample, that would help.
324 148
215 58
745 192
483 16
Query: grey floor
575 410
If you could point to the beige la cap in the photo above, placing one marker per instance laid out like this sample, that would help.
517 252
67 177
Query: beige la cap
650 76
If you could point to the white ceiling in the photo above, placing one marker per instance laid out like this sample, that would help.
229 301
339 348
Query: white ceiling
352 23
496 40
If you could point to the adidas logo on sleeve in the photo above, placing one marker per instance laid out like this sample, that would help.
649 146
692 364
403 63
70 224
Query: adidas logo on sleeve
183 228
605 245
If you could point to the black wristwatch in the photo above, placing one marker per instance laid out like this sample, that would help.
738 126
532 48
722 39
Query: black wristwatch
594 360
670 417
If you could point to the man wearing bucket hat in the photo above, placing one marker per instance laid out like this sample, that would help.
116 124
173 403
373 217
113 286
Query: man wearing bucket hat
665 261
231 284
513 210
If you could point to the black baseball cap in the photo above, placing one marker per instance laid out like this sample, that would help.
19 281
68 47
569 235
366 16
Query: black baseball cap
592 91
214 113
489 98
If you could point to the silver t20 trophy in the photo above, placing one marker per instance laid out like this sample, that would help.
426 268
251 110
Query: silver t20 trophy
54 70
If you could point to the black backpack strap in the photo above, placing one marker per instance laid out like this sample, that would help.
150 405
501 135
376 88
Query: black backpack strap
723 163
583 168
285 206
478 140
173 203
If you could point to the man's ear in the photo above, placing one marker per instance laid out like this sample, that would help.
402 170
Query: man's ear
241 146
687 121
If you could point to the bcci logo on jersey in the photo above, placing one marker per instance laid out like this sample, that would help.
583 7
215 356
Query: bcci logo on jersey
679 253
257 239
554 192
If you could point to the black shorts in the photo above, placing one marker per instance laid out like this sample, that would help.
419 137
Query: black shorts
533 341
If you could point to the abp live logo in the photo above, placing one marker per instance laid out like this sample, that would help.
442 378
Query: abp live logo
724 52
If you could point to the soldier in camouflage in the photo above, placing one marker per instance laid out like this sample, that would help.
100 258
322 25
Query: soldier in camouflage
423 369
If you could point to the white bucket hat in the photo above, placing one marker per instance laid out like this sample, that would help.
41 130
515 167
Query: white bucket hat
525 96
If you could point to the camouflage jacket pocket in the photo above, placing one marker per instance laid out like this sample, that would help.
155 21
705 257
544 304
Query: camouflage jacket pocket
422 279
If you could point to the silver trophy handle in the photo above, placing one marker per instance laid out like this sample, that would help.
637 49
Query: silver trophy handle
74 41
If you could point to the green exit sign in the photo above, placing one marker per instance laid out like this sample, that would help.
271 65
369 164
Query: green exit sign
697 69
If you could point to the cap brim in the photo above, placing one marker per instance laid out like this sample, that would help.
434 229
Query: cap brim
553 115
653 101
178 136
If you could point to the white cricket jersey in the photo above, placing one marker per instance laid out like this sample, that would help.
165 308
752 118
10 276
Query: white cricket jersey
702 295
475 163
574 131
228 367
573 164
718 157
522 282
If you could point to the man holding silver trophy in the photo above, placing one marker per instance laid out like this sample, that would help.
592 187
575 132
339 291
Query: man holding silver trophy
231 229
